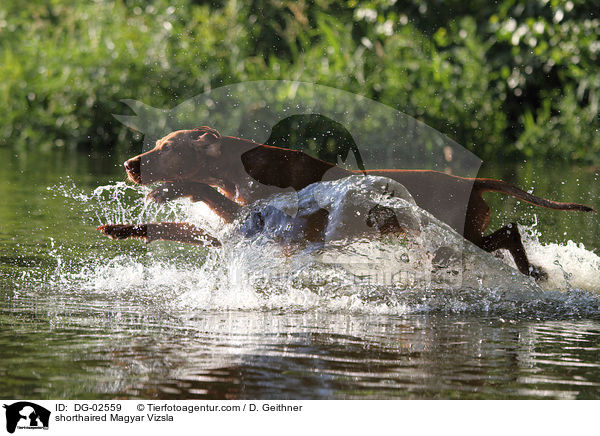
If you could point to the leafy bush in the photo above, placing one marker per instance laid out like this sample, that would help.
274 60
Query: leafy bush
65 67
518 79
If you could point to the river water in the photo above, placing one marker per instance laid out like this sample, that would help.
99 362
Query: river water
82 316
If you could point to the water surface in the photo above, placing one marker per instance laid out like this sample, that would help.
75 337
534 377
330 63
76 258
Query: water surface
82 316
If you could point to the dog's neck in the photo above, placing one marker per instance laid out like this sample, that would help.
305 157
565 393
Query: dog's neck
258 171
234 174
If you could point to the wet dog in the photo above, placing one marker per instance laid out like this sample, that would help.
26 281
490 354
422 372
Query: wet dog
227 173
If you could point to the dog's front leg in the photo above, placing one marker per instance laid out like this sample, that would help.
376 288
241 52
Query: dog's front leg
172 191
163 231
221 205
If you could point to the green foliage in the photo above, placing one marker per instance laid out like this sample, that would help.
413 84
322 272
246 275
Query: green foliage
65 66
518 79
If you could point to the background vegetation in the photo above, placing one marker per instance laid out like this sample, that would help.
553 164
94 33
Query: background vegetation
512 79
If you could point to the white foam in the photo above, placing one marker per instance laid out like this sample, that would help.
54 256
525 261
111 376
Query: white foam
569 265
254 274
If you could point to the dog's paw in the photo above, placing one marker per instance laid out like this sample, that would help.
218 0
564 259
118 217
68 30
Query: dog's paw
538 273
124 231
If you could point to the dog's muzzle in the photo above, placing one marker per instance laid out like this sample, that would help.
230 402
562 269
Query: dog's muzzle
133 168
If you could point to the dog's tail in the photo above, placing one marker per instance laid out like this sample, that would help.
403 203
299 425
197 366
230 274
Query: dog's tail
483 185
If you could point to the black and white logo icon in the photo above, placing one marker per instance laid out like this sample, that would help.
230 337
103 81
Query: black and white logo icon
26 415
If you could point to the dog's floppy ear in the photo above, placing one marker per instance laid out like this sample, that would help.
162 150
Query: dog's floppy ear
208 141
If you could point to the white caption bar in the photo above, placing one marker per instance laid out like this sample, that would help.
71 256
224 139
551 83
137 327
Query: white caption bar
148 417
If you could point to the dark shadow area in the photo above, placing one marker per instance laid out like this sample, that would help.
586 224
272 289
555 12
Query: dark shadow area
316 135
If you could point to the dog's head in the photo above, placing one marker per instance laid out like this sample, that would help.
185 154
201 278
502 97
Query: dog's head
181 155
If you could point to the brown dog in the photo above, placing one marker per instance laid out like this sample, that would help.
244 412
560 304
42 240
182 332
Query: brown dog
191 163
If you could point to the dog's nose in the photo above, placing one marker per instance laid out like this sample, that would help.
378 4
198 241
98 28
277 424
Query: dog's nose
132 165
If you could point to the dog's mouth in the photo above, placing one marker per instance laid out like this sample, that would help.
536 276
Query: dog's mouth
133 170
134 177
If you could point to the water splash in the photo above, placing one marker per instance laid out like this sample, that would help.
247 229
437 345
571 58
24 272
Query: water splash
568 265
344 275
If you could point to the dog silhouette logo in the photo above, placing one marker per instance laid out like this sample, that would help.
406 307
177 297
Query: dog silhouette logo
26 415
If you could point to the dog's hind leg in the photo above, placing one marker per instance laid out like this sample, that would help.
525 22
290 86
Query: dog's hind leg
509 238
163 231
